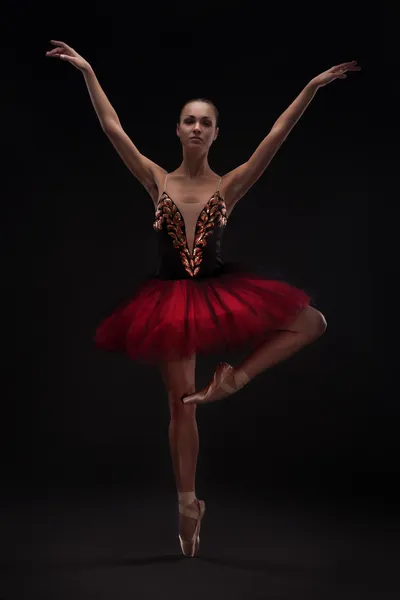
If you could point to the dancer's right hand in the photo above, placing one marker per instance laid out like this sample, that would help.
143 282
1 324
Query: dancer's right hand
65 52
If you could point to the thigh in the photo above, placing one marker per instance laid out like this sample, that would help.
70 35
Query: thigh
179 376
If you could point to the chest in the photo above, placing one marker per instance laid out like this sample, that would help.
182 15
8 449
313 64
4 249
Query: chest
190 194
188 224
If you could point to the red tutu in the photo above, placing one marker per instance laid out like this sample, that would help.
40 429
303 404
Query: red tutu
171 319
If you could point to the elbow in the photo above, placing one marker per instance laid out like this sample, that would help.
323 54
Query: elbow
109 126
280 131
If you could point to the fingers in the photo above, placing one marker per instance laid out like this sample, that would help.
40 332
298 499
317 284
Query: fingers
62 48
55 52
347 66
70 59
352 68
61 53
58 43
63 45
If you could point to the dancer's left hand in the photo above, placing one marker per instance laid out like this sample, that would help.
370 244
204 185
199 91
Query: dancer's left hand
337 72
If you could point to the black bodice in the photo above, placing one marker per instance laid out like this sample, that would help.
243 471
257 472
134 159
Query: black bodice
175 261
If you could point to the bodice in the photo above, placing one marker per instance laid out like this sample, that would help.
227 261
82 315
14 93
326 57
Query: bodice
176 259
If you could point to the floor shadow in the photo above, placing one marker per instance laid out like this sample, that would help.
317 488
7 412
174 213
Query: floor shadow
255 565
268 566
92 564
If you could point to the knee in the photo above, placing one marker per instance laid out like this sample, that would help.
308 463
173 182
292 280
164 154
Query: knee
318 325
178 410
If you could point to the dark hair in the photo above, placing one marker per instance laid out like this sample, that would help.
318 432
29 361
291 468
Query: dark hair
206 101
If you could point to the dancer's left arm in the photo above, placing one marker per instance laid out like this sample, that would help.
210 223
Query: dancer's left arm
244 176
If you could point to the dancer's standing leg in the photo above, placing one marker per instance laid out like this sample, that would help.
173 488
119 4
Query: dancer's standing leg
179 378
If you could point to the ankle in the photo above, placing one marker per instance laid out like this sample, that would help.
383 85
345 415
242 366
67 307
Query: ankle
186 498
240 377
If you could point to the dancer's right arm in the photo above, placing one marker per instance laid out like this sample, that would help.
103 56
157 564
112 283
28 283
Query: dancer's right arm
145 170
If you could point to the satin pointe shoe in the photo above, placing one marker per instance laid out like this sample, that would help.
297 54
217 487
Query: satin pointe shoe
195 511
219 387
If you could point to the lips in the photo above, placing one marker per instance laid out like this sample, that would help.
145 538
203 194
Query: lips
195 138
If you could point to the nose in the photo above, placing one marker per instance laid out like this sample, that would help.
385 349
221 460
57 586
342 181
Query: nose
197 128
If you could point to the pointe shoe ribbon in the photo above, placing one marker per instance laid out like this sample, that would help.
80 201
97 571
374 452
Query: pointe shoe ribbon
218 388
191 547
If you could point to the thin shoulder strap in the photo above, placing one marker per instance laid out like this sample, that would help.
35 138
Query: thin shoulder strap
218 185
165 183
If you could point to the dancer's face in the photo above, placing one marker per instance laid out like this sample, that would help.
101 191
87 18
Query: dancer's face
197 127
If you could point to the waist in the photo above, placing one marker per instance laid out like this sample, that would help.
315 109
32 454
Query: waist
169 268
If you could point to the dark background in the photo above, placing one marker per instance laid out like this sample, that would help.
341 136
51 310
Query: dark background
77 234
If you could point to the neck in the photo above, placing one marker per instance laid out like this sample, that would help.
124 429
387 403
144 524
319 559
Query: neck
194 165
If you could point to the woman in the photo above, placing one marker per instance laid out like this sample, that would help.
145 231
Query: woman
196 303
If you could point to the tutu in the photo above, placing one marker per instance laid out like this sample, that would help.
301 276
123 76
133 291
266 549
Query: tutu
195 303
172 319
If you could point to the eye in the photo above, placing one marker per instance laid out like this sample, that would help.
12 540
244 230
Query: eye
205 122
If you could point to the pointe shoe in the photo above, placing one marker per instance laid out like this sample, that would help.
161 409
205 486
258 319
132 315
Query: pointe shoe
190 548
218 388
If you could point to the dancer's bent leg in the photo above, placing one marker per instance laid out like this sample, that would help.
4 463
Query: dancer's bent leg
306 328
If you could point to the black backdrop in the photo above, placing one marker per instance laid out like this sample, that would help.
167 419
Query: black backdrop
77 235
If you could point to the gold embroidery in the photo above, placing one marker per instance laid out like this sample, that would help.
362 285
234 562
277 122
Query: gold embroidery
213 214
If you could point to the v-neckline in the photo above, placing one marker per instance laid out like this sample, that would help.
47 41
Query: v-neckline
198 217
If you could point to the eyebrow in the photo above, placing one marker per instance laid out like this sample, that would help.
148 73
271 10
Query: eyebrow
203 117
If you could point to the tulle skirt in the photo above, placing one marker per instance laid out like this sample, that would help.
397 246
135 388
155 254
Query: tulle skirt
171 319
